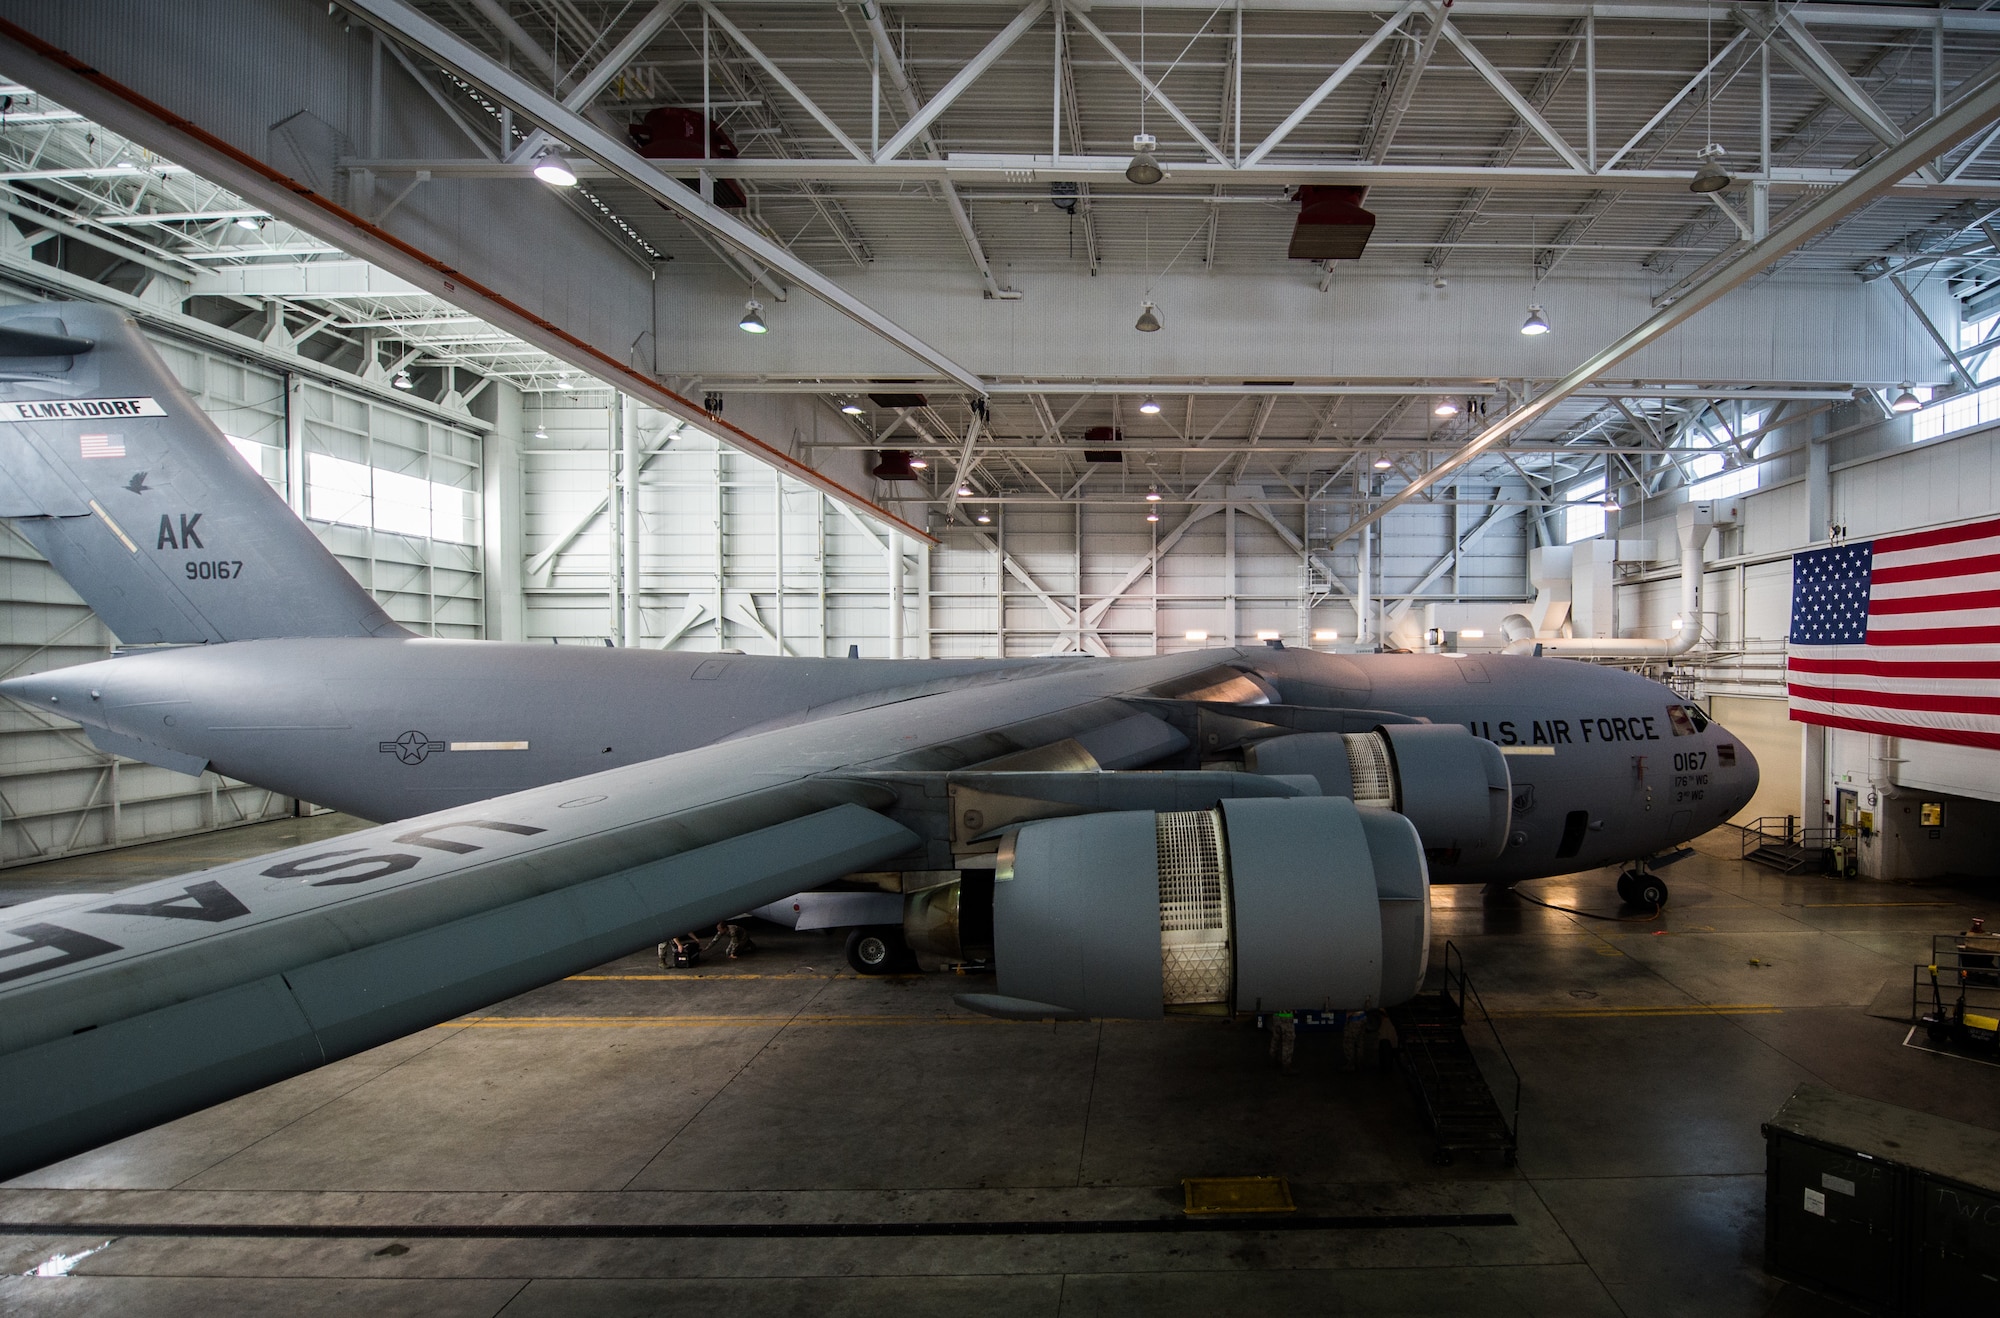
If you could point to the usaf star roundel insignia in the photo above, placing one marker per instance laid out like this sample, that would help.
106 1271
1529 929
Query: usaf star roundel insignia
411 747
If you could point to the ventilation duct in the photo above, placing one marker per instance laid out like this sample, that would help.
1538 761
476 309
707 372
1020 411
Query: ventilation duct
1331 226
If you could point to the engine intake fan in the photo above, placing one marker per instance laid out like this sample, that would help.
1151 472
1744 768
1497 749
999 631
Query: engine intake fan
1261 904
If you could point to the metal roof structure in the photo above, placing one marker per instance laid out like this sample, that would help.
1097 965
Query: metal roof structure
1527 143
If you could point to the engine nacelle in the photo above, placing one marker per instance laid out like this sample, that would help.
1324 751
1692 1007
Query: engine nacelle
1261 904
1452 785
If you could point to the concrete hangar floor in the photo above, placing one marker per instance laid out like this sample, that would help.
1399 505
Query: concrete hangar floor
632 1142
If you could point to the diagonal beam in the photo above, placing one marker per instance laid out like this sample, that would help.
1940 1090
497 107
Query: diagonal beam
1341 74
963 79
399 20
1687 89
1817 63
783 79
1082 20
600 76
1973 111
1504 512
1508 93
1392 118
1098 608
1930 328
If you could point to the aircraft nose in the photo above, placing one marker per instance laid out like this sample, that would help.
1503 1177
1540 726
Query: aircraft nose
1741 784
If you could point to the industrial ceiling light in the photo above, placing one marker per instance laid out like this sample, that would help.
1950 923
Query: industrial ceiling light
1150 406
1197 636
1152 494
552 169
251 222
1611 504
851 408
541 430
964 491
1536 323
1445 407
984 517
1152 514
753 318
1149 321
1710 176
1326 636
1145 168
1906 400
403 381
562 380
1383 464
918 464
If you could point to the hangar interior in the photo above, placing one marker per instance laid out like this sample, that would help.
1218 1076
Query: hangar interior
900 358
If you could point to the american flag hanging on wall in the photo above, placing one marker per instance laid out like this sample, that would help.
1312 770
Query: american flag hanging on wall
1900 636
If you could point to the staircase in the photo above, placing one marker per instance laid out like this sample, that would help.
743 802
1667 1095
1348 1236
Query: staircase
1452 1092
1777 842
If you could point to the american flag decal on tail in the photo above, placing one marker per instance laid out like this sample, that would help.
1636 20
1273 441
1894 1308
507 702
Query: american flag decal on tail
101 446
1900 636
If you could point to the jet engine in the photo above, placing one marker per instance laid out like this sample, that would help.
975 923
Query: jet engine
1452 785
1264 903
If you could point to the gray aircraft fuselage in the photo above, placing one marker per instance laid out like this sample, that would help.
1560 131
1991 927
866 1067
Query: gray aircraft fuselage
386 728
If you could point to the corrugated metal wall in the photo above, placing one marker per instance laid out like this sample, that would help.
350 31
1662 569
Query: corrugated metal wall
58 793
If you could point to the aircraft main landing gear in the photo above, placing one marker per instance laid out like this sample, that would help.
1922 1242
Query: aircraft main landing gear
1636 887
876 950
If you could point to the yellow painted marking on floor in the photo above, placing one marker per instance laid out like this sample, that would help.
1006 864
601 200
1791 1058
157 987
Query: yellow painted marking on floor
1587 1013
1820 906
815 977
1207 1196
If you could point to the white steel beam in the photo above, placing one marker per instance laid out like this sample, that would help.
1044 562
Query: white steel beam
1977 107
1152 88
1686 89
399 20
1341 74
586 88
1510 94
964 78
784 80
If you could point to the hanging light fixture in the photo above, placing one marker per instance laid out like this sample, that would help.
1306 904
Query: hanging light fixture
1445 407
1536 323
1383 464
552 168
1149 321
964 491
984 518
1145 167
753 318
1152 494
1906 399
1710 176
541 430
403 381
918 464
1152 514
1150 406
851 408
251 222
562 380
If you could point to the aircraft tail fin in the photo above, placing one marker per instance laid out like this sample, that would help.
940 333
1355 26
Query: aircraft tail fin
109 468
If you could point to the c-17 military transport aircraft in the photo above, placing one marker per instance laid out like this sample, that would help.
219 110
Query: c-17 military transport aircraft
1229 830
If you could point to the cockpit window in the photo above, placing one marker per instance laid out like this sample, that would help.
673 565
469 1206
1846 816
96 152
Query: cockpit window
1700 719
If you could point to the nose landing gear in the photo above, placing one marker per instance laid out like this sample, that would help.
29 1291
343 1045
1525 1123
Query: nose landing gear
1638 887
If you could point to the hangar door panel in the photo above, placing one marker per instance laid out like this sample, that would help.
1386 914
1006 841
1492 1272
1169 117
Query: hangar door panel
1766 728
1957 770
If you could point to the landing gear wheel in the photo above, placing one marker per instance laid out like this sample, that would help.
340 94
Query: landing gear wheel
1636 888
875 949
1627 893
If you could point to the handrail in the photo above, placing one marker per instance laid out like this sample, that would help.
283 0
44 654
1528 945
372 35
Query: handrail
1454 969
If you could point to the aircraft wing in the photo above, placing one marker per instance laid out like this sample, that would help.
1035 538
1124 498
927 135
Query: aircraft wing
119 1013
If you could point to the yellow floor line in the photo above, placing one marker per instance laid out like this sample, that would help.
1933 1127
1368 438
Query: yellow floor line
1586 1013
1821 906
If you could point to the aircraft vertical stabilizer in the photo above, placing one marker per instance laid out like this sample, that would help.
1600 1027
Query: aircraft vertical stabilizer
110 469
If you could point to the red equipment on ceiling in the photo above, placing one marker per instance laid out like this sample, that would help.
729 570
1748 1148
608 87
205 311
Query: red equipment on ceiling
1332 226
673 133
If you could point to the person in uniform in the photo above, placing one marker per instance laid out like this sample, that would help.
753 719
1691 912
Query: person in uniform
1284 1038
734 941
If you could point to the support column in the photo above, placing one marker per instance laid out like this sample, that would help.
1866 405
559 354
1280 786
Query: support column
895 593
500 525
628 418
295 442
1813 809
1819 490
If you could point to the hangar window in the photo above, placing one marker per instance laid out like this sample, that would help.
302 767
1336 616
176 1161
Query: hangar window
1712 482
355 494
1584 515
1978 408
